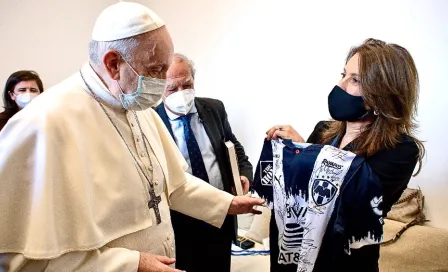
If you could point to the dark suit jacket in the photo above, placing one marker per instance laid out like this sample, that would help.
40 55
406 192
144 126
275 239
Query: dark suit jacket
213 115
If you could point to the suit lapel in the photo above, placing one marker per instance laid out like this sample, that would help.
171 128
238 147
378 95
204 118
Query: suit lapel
217 137
165 119
205 115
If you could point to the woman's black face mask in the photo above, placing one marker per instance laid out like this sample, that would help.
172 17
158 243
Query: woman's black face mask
346 107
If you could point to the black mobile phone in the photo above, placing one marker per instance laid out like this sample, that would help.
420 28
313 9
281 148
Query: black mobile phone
244 243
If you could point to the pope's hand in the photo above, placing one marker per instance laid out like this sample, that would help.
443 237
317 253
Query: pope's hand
245 204
154 263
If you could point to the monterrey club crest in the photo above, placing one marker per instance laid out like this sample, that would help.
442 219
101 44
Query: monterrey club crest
323 191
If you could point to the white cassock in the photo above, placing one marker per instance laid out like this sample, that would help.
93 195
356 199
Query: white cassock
72 198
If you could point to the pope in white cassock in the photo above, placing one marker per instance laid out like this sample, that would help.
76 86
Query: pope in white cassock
88 171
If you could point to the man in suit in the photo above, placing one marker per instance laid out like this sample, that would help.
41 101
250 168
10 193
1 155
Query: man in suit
200 128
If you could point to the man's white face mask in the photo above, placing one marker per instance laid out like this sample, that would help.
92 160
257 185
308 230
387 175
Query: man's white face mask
181 102
148 93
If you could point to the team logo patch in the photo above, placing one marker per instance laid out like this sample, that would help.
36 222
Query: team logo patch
266 174
323 191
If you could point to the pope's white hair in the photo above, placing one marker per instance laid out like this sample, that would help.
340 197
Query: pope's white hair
178 57
124 46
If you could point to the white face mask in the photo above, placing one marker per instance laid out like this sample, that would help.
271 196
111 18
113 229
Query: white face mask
181 102
24 99
148 93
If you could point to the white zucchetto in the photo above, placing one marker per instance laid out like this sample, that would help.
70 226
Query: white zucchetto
123 20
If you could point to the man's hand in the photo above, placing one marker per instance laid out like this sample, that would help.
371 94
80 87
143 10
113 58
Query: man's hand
155 263
284 132
245 204
245 184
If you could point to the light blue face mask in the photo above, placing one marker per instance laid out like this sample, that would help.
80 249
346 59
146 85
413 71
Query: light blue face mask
149 92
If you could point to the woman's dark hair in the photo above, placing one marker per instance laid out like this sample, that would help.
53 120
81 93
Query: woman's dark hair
10 106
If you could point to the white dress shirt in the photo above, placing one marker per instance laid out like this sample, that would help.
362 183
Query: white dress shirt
208 154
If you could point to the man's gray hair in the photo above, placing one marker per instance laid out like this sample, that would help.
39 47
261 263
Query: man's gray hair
178 57
124 46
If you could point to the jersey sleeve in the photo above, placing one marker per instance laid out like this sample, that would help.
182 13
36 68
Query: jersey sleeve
359 213
263 178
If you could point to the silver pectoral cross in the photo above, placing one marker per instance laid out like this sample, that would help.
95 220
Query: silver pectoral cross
154 204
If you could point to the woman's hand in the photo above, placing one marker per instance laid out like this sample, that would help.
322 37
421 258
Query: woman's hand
284 132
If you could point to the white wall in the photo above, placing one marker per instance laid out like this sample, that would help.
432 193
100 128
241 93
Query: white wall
270 61
274 62
48 36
